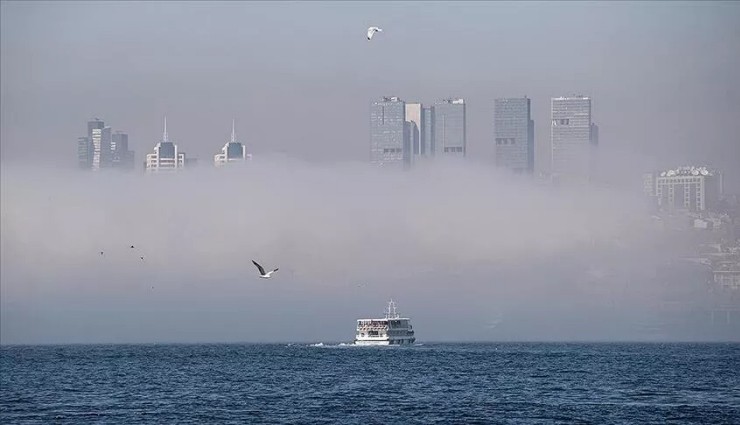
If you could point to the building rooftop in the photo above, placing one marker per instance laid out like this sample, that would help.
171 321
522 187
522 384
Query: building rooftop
687 171
578 96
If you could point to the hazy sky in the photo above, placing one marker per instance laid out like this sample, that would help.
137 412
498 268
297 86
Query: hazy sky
299 77
469 252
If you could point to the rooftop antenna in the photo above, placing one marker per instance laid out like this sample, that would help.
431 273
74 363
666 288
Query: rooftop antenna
164 136
233 133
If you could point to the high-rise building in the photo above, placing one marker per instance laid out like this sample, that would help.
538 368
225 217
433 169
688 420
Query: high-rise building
571 138
449 128
106 151
415 116
118 138
427 131
100 150
232 151
84 153
514 134
389 134
410 132
690 188
594 135
166 156
95 123
122 157
103 149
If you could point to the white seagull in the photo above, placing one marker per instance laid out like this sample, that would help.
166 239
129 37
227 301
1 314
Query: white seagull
262 271
371 31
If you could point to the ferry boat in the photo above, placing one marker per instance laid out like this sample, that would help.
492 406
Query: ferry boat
390 330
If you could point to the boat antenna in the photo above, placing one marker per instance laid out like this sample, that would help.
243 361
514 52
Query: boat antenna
391 313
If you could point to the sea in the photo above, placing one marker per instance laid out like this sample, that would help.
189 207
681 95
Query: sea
481 383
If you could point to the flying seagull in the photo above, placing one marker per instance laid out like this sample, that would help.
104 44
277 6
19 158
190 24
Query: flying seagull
371 31
262 271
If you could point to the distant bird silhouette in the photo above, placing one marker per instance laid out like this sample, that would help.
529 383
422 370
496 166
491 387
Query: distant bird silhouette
132 247
142 258
262 271
101 252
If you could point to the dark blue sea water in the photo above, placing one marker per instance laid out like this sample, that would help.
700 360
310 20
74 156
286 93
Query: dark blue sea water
427 384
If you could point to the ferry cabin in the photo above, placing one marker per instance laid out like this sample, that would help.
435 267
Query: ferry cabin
390 331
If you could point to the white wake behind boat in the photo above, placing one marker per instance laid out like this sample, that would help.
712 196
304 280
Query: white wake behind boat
390 330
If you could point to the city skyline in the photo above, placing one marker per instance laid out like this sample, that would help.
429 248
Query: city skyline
640 108
102 148
512 118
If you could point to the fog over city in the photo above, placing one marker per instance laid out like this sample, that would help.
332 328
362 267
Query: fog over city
469 251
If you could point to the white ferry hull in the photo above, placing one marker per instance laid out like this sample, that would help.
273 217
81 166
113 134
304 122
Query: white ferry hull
372 343
384 342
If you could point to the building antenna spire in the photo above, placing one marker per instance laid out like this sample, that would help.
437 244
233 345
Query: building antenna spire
233 133
164 136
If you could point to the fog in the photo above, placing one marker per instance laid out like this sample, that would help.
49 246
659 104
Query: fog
468 252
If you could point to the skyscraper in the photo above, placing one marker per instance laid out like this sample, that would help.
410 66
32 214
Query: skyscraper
514 134
103 149
389 133
122 157
571 138
231 152
95 123
106 151
166 156
415 116
84 152
594 135
101 139
427 133
95 136
449 128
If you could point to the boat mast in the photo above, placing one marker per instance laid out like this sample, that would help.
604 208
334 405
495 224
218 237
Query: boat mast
391 313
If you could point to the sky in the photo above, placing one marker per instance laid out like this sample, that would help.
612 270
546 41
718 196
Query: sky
469 246
299 77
